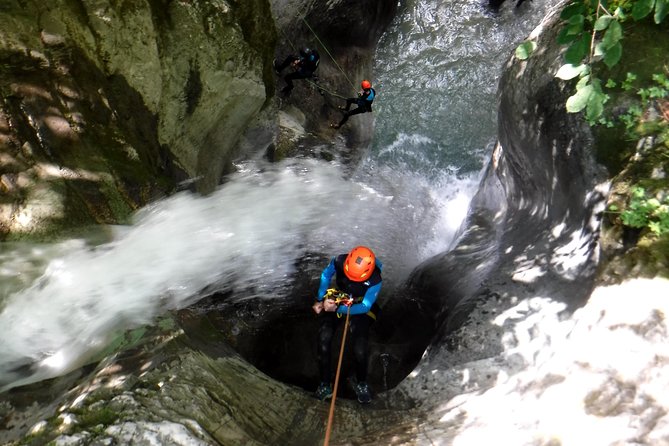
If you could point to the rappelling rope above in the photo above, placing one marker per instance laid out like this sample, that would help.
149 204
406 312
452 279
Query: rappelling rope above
328 51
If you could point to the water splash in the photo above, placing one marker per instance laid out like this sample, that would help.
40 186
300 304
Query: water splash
248 235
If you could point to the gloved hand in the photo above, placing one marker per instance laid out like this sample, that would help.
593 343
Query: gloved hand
348 302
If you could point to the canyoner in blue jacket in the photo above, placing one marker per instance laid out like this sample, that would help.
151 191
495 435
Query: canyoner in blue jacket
357 277
364 102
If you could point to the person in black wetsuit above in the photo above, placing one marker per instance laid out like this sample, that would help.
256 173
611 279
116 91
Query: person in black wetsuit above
363 101
304 66
358 278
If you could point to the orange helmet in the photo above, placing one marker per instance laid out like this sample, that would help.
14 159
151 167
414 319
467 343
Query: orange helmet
359 264
366 85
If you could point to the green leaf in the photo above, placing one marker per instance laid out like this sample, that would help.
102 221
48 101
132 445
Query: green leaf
613 208
575 24
661 10
653 203
525 49
569 71
655 227
642 8
585 80
577 50
628 83
619 14
657 92
603 22
610 83
661 79
595 106
612 35
613 55
571 10
579 101
564 37
633 219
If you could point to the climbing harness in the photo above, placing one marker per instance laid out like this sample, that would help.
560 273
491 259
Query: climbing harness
328 429
338 296
342 298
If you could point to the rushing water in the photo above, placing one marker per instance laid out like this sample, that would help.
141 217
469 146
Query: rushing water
248 235
436 75
437 69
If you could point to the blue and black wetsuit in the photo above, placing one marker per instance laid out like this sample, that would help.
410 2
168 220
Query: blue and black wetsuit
363 313
307 63
364 102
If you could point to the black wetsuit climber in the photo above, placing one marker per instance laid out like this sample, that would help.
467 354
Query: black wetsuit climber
364 103
305 66
363 314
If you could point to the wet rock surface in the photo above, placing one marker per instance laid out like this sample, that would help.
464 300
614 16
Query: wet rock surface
511 334
107 106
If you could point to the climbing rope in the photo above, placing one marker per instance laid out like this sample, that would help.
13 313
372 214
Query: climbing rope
327 51
302 15
288 39
320 87
336 383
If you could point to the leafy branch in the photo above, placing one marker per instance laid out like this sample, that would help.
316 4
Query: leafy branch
594 36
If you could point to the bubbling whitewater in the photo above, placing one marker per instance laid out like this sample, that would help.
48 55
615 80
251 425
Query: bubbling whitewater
246 236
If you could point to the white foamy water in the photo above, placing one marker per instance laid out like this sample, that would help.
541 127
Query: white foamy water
247 236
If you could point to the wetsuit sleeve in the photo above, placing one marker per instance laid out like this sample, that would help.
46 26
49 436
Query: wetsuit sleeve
367 301
326 278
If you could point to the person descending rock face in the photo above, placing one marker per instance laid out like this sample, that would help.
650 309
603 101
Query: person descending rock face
363 101
304 66
358 280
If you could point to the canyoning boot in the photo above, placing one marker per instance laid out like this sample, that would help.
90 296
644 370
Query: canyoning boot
324 391
362 391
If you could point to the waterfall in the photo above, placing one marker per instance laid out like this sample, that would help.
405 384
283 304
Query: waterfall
437 69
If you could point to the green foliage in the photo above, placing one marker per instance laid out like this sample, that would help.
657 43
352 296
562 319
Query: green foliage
655 95
594 36
646 212
525 49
